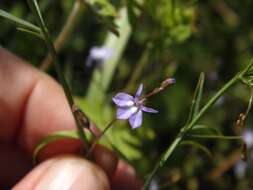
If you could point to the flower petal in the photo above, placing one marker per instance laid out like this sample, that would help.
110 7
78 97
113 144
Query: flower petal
240 169
125 113
149 110
135 120
247 136
123 99
139 91
101 53
89 61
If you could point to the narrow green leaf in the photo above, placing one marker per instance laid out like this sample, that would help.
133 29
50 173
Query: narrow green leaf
204 129
197 97
19 21
37 9
198 146
54 137
215 137
30 32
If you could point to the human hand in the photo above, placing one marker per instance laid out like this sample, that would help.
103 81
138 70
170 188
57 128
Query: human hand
32 106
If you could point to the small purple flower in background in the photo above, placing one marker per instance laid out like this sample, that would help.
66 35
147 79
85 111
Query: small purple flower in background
154 185
241 166
247 136
240 169
220 101
99 55
131 108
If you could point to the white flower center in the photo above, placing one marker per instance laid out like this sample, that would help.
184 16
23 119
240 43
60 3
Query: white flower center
129 103
133 109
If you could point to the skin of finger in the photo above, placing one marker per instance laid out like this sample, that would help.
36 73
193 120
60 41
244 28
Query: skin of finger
13 164
125 178
106 159
46 112
33 105
102 156
65 172
16 83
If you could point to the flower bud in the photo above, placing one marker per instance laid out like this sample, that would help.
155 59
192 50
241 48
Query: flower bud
168 81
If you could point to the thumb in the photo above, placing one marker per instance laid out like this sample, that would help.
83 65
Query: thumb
65 173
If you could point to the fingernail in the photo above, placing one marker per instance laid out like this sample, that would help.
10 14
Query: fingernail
73 173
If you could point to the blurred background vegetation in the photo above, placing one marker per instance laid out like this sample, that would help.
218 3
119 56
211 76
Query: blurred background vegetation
163 38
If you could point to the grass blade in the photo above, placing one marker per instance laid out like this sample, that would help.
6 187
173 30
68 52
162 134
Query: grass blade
53 137
30 32
205 129
197 97
222 137
198 146
19 21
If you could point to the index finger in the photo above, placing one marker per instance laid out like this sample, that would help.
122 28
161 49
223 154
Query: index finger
33 105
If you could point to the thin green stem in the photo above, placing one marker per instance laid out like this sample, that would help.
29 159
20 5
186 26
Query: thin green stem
36 12
216 137
250 102
109 125
186 128
51 48
248 67
162 160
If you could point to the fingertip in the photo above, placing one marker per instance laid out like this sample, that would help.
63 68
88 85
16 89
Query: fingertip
60 147
65 172
125 178
102 156
106 159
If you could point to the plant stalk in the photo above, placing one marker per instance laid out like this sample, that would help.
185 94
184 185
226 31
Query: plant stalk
165 156
65 33
35 11
100 136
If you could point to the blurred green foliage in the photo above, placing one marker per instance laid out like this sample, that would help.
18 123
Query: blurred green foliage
170 38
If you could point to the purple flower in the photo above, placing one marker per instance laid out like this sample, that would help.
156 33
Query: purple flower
247 136
241 167
131 108
154 185
99 54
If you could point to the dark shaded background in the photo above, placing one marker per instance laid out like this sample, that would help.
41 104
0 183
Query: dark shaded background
180 40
